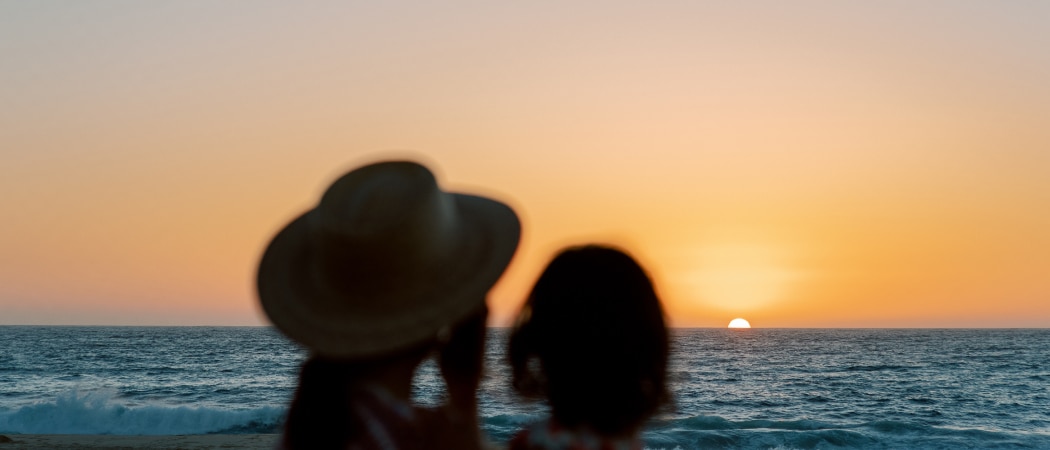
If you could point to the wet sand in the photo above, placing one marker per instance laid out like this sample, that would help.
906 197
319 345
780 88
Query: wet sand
184 442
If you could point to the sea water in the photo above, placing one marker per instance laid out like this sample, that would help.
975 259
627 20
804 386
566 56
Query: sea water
758 388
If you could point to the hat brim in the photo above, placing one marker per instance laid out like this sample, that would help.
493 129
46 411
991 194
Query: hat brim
307 312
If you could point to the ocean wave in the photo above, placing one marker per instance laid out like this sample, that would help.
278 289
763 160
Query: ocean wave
707 432
501 427
100 413
877 368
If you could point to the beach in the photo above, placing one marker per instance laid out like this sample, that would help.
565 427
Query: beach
99 441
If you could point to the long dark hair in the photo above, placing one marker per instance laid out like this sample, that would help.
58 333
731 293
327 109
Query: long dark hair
592 339
319 416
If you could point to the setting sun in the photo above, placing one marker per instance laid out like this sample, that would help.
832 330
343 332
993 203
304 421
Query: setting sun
739 323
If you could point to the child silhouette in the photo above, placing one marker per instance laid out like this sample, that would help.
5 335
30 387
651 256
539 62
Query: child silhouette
591 339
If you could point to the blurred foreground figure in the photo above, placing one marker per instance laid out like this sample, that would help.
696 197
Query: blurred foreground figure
592 341
386 270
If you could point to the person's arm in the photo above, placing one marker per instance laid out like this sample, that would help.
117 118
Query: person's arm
461 361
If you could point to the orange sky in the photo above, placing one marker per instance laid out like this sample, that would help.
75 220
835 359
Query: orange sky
825 165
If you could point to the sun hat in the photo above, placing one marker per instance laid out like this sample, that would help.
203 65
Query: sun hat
386 259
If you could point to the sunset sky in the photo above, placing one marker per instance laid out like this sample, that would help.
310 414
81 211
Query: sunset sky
798 164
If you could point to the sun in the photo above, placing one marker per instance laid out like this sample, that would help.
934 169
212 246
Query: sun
739 323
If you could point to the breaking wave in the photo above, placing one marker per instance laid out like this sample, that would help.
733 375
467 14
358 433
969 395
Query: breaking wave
101 413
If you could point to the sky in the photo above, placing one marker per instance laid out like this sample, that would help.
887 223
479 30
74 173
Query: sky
798 164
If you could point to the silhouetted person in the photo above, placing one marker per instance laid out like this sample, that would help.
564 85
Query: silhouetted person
386 270
592 341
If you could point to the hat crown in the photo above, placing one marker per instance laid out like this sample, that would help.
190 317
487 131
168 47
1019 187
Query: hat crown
380 197
380 224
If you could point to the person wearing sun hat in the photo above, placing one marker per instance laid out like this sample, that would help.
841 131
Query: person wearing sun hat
386 269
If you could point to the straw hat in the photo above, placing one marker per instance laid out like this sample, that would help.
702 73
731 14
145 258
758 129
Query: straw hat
384 261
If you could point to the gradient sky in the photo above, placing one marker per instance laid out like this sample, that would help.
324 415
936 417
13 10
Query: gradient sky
799 164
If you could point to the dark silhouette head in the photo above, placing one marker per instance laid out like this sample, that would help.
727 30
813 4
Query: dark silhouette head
592 339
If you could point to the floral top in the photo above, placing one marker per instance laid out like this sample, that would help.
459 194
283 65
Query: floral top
549 435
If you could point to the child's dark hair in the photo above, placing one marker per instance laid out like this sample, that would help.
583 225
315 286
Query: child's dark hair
594 325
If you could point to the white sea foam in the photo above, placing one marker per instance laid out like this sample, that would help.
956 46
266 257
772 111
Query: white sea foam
99 413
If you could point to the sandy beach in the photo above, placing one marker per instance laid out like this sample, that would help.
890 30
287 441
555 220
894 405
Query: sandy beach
181 442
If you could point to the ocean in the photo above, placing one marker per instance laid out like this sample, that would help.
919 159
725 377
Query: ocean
740 389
